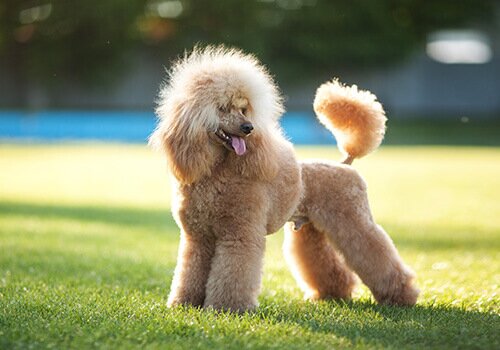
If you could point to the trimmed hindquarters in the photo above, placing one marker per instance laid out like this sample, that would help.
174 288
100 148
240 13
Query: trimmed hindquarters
336 203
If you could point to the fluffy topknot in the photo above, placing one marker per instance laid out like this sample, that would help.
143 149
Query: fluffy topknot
355 117
212 74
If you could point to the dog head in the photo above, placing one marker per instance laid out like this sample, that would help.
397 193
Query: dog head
216 103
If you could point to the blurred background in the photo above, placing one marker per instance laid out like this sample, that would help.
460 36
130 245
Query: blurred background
92 69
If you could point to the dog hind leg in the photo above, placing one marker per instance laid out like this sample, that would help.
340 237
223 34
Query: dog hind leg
316 266
369 251
337 203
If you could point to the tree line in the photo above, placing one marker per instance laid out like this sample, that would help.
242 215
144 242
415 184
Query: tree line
89 41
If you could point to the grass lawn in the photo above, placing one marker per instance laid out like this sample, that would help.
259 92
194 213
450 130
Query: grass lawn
88 248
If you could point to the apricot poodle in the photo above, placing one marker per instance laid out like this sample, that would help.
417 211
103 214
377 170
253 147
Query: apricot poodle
237 179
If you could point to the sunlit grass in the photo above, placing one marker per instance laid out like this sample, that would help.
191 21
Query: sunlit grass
88 247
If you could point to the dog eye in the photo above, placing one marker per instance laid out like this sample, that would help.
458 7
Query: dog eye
222 109
244 111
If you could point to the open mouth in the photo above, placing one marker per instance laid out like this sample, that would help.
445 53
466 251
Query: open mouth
232 142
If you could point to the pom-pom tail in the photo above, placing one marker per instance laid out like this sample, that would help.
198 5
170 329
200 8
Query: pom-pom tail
355 117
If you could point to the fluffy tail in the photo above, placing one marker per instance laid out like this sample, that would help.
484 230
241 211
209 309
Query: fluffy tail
355 117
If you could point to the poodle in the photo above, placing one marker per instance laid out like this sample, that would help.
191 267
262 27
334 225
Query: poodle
237 179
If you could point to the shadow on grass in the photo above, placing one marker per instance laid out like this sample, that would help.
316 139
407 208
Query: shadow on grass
152 218
141 257
353 324
359 322
428 237
441 326
95 269
137 281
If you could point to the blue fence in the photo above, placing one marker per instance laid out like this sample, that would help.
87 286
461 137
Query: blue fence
125 126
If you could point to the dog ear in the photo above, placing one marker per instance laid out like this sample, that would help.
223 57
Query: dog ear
186 144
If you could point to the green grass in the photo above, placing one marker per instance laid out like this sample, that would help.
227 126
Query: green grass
88 248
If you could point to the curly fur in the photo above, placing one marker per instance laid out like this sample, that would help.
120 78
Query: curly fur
354 116
232 188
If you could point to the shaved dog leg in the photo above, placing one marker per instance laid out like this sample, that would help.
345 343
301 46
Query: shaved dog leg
316 266
191 272
369 251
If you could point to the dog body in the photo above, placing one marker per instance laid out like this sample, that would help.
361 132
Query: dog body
224 221
237 180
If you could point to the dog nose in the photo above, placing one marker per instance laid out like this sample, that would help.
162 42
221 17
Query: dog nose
246 128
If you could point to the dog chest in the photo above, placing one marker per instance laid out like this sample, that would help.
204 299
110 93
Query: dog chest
285 192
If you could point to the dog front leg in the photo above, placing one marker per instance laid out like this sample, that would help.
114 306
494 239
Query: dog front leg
236 272
191 272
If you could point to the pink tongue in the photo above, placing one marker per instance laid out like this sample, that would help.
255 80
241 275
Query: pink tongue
239 145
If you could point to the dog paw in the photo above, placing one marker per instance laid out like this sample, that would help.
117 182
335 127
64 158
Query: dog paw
316 296
404 295
239 308
174 301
